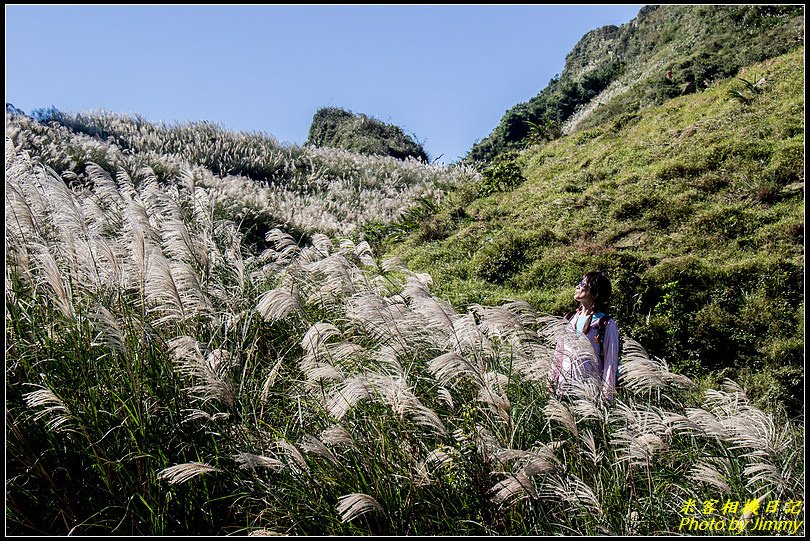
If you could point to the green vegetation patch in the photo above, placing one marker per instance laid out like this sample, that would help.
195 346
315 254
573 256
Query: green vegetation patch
338 128
665 52
695 210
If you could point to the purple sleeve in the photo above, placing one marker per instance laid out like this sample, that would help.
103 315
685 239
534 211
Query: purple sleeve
610 370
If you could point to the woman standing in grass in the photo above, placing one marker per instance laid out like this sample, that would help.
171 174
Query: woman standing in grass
574 364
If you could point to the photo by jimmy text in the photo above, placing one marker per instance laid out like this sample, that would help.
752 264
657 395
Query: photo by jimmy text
756 516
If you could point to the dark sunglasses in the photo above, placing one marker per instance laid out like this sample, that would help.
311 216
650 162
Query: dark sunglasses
582 284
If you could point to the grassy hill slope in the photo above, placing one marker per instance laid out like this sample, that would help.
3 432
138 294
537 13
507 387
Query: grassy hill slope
617 70
694 208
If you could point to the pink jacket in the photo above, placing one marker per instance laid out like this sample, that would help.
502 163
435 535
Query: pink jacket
575 362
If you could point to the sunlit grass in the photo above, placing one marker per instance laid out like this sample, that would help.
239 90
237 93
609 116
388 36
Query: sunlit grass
694 208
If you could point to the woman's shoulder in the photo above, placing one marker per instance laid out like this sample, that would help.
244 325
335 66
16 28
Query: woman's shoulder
608 324
606 319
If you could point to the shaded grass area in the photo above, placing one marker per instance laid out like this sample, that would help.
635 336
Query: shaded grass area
694 209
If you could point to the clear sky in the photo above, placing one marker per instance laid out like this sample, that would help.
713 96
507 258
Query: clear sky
444 73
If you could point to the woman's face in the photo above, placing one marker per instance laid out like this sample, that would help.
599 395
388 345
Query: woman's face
582 293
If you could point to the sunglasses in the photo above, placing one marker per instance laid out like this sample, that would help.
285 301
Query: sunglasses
582 284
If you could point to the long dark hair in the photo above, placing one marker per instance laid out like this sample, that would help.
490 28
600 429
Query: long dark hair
599 286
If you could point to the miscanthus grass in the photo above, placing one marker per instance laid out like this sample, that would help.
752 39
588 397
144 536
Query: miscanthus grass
163 378
251 177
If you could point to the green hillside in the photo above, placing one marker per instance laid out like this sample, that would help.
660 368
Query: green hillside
695 208
618 70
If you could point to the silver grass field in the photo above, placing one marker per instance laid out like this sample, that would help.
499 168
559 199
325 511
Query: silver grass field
162 377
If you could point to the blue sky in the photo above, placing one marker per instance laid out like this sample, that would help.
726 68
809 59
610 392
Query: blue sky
444 73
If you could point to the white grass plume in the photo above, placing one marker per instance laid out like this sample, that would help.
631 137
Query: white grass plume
706 422
451 366
322 243
466 337
640 373
542 460
194 414
759 474
572 490
393 264
332 361
391 390
140 247
641 435
419 474
270 381
365 255
337 435
292 451
181 473
351 506
113 269
444 457
513 488
590 449
20 218
385 323
706 472
436 315
677 423
335 278
505 322
251 461
173 290
386 359
340 354
108 330
180 243
396 392
107 190
50 407
318 334
446 396
748 428
285 245
317 372
534 362
62 293
279 304
557 411
347 395
210 376
491 393
637 449
312 445
587 400
506 455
